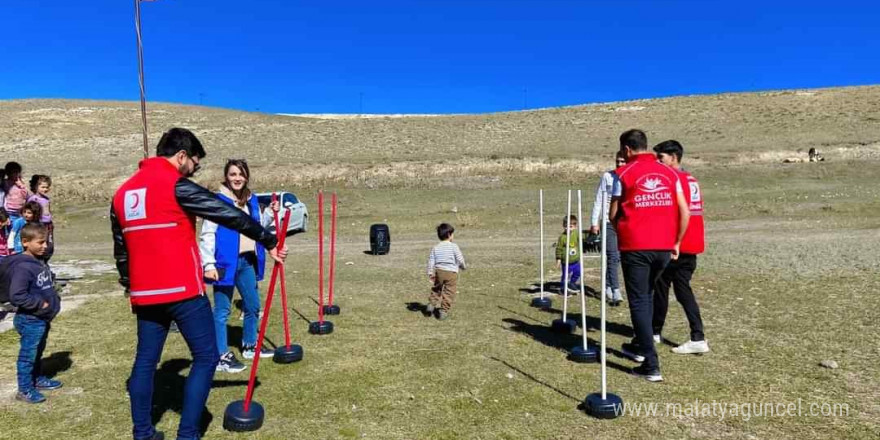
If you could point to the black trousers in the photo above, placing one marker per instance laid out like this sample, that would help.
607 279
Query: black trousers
640 271
678 274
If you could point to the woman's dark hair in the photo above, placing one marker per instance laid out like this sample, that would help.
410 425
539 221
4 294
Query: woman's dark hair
3 216
245 194
33 207
444 231
37 179
179 139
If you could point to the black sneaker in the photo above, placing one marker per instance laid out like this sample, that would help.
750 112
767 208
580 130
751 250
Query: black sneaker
230 364
632 351
651 375
157 435
429 309
250 352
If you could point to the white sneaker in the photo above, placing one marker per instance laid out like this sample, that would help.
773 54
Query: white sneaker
657 339
609 295
692 347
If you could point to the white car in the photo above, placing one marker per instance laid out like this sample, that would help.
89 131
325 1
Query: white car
299 214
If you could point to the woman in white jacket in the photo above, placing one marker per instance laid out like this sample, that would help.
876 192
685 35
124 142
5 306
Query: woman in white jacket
234 261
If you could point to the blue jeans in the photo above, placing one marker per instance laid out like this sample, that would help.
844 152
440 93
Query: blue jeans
193 317
246 282
573 272
611 277
34 332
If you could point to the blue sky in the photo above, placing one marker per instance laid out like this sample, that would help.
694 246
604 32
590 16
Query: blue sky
431 56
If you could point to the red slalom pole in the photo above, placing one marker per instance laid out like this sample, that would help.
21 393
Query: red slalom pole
250 389
282 239
320 256
321 327
332 247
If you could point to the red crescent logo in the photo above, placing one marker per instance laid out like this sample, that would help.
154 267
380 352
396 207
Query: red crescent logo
137 201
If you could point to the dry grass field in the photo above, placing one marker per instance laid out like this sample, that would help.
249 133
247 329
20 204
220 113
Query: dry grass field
789 279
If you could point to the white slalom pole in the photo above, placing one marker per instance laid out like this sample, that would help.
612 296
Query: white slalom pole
565 268
604 220
541 216
581 264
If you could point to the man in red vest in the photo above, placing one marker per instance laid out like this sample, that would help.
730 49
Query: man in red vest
650 215
679 272
153 219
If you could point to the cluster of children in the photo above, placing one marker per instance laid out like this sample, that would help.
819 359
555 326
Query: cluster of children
26 282
22 205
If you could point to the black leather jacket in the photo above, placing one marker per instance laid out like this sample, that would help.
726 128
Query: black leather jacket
198 201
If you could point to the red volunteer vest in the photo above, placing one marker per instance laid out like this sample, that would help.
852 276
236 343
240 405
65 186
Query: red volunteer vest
693 243
648 205
163 258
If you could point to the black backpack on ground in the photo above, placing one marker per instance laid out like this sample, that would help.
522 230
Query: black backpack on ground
380 239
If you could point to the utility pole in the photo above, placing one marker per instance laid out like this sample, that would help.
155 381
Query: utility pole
140 55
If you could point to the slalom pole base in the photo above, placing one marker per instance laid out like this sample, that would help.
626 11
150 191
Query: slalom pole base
236 419
331 310
288 355
609 408
542 303
563 325
321 327
583 355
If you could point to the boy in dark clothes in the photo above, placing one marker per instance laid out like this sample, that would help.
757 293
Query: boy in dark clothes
31 292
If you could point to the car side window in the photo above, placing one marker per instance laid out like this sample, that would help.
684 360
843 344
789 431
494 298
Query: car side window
289 199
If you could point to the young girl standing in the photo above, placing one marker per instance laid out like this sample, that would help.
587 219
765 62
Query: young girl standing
40 186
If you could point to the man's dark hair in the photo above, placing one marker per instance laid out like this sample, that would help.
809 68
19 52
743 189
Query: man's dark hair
33 231
635 139
671 147
444 231
179 139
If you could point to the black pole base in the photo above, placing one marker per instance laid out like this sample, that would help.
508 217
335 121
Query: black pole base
331 310
320 328
236 419
542 303
583 355
610 408
563 325
288 355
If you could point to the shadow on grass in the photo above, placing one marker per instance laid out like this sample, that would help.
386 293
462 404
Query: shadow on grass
56 363
521 314
535 379
561 341
593 323
549 287
169 390
417 307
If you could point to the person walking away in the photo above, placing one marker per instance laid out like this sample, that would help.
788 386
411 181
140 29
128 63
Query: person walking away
650 215
444 262
152 219
678 273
